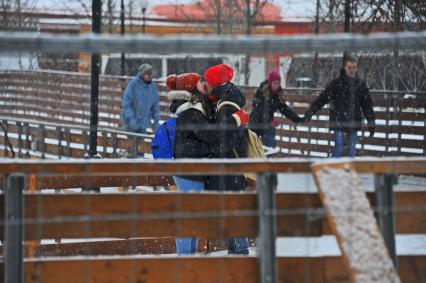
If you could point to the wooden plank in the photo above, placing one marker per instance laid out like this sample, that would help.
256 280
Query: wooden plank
138 215
304 147
397 165
200 269
66 182
351 219
298 214
183 269
133 167
402 165
148 246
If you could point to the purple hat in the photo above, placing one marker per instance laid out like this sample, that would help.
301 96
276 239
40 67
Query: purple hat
274 76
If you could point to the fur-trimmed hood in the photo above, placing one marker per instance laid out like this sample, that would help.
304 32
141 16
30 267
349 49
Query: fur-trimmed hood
179 95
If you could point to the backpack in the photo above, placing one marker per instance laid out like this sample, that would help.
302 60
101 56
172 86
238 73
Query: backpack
163 143
254 144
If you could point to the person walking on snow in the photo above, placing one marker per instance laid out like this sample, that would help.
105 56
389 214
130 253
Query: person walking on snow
349 97
268 99
141 102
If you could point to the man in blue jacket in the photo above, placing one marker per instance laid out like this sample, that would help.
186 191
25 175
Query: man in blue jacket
141 103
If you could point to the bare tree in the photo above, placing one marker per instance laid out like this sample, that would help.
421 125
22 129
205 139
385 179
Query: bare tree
110 15
12 17
249 10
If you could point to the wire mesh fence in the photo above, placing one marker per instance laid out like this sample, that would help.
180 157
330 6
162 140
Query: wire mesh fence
301 220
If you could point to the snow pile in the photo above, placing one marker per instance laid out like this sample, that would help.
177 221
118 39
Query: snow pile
356 229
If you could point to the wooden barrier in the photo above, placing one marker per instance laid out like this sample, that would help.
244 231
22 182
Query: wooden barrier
173 214
298 214
64 98
152 269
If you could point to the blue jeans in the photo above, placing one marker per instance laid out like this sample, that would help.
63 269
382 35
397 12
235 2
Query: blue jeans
187 245
338 143
268 137
238 246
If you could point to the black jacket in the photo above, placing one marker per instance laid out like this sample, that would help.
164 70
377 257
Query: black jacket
229 137
195 135
345 105
265 104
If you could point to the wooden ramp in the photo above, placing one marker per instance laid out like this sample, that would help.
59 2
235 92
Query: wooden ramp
351 218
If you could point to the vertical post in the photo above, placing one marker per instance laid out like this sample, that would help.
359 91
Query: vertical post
383 184
114 145
135 145
19 124
60 136
13 251
143 20
68 140
105 142
122 31
5 140
316 63
347 24
266 228
27 139
94 90
43 141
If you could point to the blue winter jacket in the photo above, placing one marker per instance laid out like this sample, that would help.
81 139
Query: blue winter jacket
140 105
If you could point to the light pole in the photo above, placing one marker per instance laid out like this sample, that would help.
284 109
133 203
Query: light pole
122 31
96 28
144 6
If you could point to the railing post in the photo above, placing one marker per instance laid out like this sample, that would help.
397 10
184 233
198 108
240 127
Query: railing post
59 137
19 125
6 145
27 139
43 141
13 236
267 228
383 184
68 140
114 145
105 142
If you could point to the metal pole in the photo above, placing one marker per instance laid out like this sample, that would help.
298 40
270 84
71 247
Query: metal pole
347 24
96 28
13 236
267 228
122 31
383 184
143 20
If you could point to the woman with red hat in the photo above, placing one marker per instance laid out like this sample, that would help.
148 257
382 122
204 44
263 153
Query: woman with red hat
268 99
194 134
232 140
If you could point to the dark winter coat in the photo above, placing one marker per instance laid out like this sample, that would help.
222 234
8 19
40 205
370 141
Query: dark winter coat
230 137
345 105
192 134
195 134
265 104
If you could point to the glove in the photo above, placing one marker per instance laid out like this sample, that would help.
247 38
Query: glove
372 130
213 97
306 119
299 120
241 117
133 125
275 122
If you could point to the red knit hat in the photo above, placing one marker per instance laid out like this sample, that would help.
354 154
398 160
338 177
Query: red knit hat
274 76
218 74
187 81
